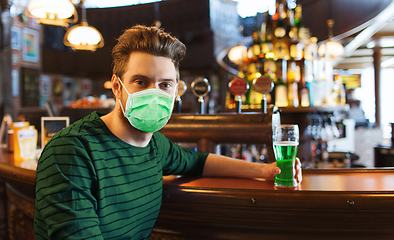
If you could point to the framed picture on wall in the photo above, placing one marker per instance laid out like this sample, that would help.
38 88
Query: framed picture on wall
15 38
30 45
85 87
45 85
30 87
69 91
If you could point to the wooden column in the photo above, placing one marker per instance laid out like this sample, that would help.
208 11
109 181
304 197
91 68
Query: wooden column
377 59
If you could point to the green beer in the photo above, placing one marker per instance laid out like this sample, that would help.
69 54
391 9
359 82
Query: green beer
285 155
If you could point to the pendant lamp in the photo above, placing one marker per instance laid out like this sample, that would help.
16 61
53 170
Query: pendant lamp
82 36
52 12
237 53
331 48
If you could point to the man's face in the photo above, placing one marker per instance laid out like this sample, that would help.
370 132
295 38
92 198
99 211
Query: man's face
146 71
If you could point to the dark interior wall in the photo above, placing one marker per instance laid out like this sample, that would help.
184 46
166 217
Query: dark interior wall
187 20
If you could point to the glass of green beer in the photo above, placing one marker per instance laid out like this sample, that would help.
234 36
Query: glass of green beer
285 142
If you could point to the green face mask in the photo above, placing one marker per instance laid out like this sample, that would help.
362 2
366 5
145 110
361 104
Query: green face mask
148 110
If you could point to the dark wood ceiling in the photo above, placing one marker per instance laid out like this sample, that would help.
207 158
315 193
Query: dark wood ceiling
347 14
189 20
350 17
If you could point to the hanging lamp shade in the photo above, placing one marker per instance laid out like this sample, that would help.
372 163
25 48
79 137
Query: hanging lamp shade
237 53
331 48
83 37
52 12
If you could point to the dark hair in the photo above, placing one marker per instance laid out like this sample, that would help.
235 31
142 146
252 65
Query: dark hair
145 39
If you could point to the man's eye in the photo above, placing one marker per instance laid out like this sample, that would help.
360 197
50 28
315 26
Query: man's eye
139 82
166 85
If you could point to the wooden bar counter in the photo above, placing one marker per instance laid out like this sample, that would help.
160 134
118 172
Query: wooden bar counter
329 204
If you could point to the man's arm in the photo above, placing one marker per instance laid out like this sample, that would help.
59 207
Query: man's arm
221 166
65 206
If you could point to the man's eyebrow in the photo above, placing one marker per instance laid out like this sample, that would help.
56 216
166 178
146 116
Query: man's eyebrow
168 80
140 76
136 76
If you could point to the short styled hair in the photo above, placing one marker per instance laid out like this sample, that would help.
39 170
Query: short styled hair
145 39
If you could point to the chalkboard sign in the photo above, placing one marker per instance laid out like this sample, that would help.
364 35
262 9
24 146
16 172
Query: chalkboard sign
30 91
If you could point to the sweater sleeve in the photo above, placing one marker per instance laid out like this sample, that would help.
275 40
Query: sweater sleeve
65 202
177 160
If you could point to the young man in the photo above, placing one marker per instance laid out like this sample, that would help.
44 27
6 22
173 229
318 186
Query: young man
101 178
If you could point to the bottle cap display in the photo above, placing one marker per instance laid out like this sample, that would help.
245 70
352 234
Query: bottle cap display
263 84
238 86
201 87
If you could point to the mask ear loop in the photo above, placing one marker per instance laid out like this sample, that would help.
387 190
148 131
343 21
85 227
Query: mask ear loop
123 85
121 106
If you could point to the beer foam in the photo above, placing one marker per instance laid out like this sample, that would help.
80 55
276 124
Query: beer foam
286 143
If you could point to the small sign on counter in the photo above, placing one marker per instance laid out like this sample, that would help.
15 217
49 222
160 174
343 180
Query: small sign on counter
50 126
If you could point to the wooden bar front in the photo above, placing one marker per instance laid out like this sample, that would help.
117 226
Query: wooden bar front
338 203
330 204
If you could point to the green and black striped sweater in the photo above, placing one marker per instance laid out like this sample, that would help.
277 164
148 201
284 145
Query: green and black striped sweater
92 185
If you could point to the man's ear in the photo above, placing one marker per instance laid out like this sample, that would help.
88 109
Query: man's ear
116 87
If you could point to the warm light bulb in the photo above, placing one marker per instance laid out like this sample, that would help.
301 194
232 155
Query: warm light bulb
52 9
84 35
334 48
331 49
108 85
237 53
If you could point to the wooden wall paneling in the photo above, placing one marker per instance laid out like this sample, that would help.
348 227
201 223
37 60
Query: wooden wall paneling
188 20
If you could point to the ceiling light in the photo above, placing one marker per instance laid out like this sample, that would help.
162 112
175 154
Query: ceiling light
83 36
52 12
108 85
237 53
331 48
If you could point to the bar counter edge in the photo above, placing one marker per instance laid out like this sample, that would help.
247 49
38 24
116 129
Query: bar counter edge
229 208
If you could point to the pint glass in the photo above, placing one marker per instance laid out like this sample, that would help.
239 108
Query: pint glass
285 142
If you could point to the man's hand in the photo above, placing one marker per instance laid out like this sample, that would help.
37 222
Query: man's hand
270 170
221 166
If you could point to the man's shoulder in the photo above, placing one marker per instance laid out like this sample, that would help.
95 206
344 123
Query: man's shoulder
81 129
160 138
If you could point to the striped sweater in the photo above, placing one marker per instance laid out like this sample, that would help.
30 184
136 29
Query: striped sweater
92 185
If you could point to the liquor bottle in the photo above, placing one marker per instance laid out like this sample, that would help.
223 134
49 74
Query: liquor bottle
280 29
256 45
254 96
263 155
266 45
281 93
269 30
293 77
282 41
298 22
324 156
270 71
304 96
342 95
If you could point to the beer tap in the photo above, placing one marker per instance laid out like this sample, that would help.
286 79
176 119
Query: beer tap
178 101
201 88
263 85
238 87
